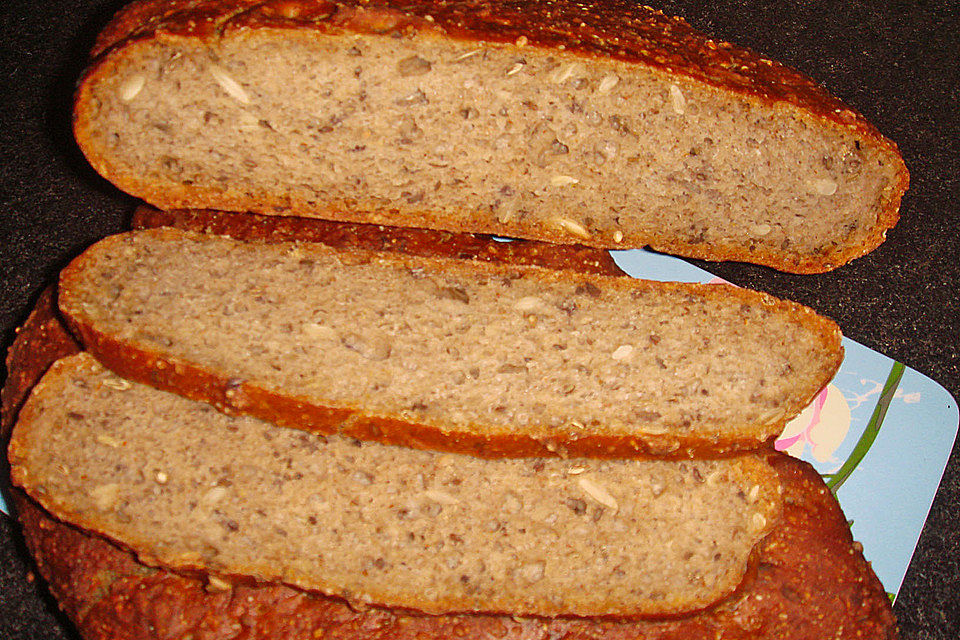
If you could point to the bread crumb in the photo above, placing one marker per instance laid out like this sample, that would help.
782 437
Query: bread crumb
106 495
562 181
607 84
566 72
598 493
823 186
108 440
215 584
229 85
440 496
117 384
528 303
572 227
623 352
132 87
677 101
466 56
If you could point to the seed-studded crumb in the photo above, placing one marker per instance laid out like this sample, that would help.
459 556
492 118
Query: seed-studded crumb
442 133
466 348
186 486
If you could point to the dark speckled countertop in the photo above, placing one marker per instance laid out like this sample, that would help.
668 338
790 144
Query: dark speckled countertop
893 60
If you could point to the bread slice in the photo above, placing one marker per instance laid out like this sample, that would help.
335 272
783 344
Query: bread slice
811 581
190 488
405 240
605 123
449 354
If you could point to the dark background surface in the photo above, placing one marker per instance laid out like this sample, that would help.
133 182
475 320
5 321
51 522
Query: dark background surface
895 61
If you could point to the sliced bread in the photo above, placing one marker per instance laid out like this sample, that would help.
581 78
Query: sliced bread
187 487
459 355
605 123
810 580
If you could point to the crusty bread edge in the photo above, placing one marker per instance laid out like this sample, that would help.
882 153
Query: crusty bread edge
233 395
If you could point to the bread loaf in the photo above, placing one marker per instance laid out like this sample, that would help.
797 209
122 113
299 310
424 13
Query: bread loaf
449 354
187 487
809 579
605 123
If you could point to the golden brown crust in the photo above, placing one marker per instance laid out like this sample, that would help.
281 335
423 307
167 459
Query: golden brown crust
617 29
42 338
811 580
231 395
416 242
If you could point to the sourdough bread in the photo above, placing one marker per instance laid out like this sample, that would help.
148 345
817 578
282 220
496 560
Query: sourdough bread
449 354
604 123
187 487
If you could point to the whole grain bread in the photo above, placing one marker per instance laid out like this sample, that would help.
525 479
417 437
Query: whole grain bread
604 122
187 487
449 354
810 580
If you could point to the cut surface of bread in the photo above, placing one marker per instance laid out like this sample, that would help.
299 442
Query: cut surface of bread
810 580
450 354
471 117
187 487
810 583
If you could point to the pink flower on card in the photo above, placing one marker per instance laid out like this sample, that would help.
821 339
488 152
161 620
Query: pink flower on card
822 426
